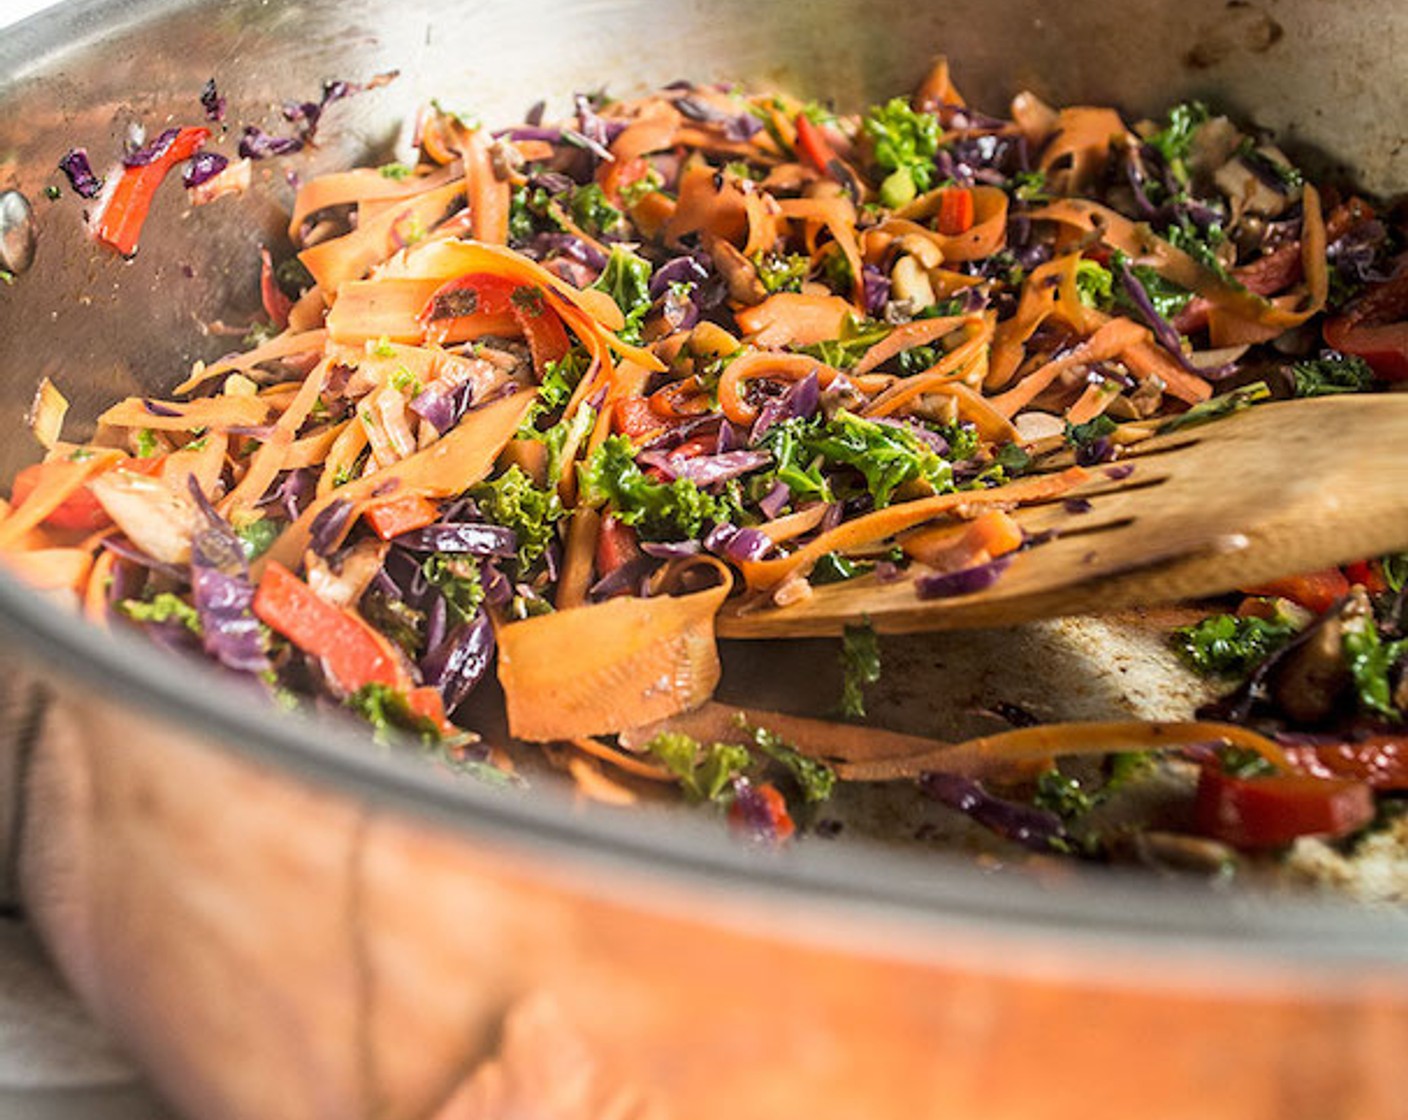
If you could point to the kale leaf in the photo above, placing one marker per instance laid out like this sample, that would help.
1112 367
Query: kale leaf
1229 645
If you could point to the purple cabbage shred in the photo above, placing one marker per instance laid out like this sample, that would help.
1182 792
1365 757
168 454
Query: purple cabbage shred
75 165
948 585
1026 825
202 167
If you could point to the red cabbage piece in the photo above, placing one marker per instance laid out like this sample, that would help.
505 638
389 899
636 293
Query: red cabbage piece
442 406
326 529
752 813
947 585
671 550
121 547
732 543
679 270
258 144
475 539
159 409
223 593
212 102
627 579
1163 330
202 167
459 662
75 165
877 291
1033 828
775 500
144 155
706 470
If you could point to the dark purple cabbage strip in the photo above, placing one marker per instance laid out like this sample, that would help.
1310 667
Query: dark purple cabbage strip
927 436
1026 825
732 543
947 585
442 407
877 290
212 102
75 165
473 538
548 243
800 401
255 143
679 270
629 578
498 588
753 814
1099 450
159 409
671 550
459 662
775 500
223 593
326 529
149 152
706 470
202 167
1163 330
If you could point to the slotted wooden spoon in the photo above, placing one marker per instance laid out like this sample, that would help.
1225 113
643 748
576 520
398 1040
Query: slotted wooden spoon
1274 491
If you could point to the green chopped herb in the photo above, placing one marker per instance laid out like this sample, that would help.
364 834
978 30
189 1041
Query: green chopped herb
782 272
626 279
1332 373
1029 186
404 381
146 443
163 607
592 211
397 171
1063 795
860 666
1175 140
1013 459
52 192
383 348
836 568
457 580
815 779
1370 660
1094 284
1229 645
1200 244
1395 566
387 710
1167 297
513 501
903 140
1083 435
705 773
857 336
649 183
887 457
257 536
677 510
1218 407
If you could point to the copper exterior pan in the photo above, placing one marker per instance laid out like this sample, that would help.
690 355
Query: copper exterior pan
281 922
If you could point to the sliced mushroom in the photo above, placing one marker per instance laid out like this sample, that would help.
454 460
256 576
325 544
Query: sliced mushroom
156 518
911 283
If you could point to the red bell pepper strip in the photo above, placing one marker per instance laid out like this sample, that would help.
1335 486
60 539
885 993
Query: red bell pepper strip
468 302
1315 591
635 418
1368 574
1375 328
956 211
119 223
1272 811
812 145
353 654
401 515
80 510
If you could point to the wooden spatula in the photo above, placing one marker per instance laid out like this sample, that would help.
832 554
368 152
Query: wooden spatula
1271 492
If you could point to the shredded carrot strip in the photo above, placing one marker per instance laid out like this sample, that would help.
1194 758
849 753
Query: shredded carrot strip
838 214
362 184
885 523
951 366
1041 294
920 332
794 319
1083 135
290 344
1109 341
205 412
51 569
57 484
776 364
793 525
1146 359
577 557
349 257
269 460
607 666
95 595
489 196
631 764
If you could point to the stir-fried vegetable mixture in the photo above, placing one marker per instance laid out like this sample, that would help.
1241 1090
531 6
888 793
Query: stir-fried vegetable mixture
544 400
